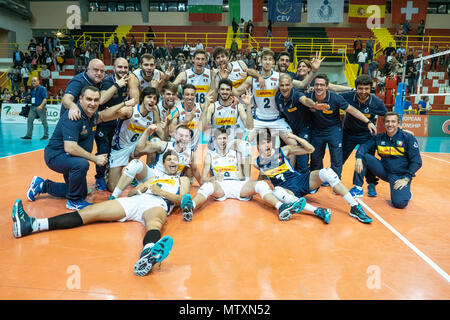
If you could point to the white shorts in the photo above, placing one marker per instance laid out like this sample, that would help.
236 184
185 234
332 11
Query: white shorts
232 190
279 125
120 158
136 206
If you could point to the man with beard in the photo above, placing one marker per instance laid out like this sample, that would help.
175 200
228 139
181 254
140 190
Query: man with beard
198 75
167 107
226 112
147 76
115 91
356 132
93 76
132 123
138 170
326 125
283 63
222 179
150 205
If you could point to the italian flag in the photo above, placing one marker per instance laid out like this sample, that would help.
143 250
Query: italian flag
246 9
205 10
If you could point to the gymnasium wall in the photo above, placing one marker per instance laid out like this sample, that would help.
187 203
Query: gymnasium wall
52 15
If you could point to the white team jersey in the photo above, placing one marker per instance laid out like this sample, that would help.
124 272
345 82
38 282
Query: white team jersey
144 83
266 107
193 124
225 116
228 164
184 158
202 83
129 131
163 112
169 184
237 74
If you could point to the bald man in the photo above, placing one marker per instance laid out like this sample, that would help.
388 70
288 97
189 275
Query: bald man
38 108
93 76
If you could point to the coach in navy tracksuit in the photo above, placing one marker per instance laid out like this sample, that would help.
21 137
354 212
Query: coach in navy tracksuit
70 149
400 159
355 131
116 89
326 125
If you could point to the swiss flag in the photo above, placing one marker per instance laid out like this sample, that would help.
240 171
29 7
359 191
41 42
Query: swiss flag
412 10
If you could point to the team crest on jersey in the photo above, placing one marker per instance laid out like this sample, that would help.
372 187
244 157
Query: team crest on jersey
399 143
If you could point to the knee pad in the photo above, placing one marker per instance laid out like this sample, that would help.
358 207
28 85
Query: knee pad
328 175
245 149
206 189
133 168
283 195
262 188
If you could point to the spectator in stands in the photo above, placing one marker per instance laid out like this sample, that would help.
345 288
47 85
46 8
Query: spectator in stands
250 28
24 75
234 27
123 48
373 65
170 48
410 58
37 109
407 107
59 58
362 58
100 50
15 77
381 80
116 39
6 95
32 48
60 94
18 57
421 29
15 97
269 29
357 46
406 27
289 47
112 48
45 76
370 44
401 52
434 61
150 46
199 45
71 47
233 50
411 75
399 36
387 51
134 62
141 49
424 105
241 28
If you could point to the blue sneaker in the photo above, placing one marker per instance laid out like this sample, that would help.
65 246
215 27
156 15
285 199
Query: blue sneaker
324 214
100 184
134 183
77 204
187 207
22 223
152 255
359 213
356 192
288 209
299 205
111 197
35 188
371 191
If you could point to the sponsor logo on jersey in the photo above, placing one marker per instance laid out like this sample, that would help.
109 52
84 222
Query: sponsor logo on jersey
225 169
266 93
390 151
165 181
135 128
202 88
225 121
276 171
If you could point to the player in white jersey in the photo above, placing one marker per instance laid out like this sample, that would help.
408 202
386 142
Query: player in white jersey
142 172
198 75
147 76
221 178
167 107
132 123
152 202
266 113
226 112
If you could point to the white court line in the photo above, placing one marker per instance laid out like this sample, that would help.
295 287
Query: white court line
425 155
406 241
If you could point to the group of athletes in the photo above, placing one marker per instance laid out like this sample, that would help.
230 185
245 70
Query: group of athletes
148 129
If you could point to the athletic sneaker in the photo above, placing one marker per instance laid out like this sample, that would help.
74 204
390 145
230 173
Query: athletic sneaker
286 210
187 207
35 188
371 191
359 213
100 184
356 192
134 183
111 197
153 254
22 223
77 204
324 214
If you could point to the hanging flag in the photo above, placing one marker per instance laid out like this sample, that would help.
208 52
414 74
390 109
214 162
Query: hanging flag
325 11
409 10
360 10
205 10
285 10
246 9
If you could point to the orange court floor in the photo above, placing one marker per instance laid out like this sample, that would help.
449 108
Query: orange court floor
234 249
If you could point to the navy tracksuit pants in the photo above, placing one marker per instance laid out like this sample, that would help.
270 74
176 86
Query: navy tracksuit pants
399 198
320 138
302 162
103 139
74 170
